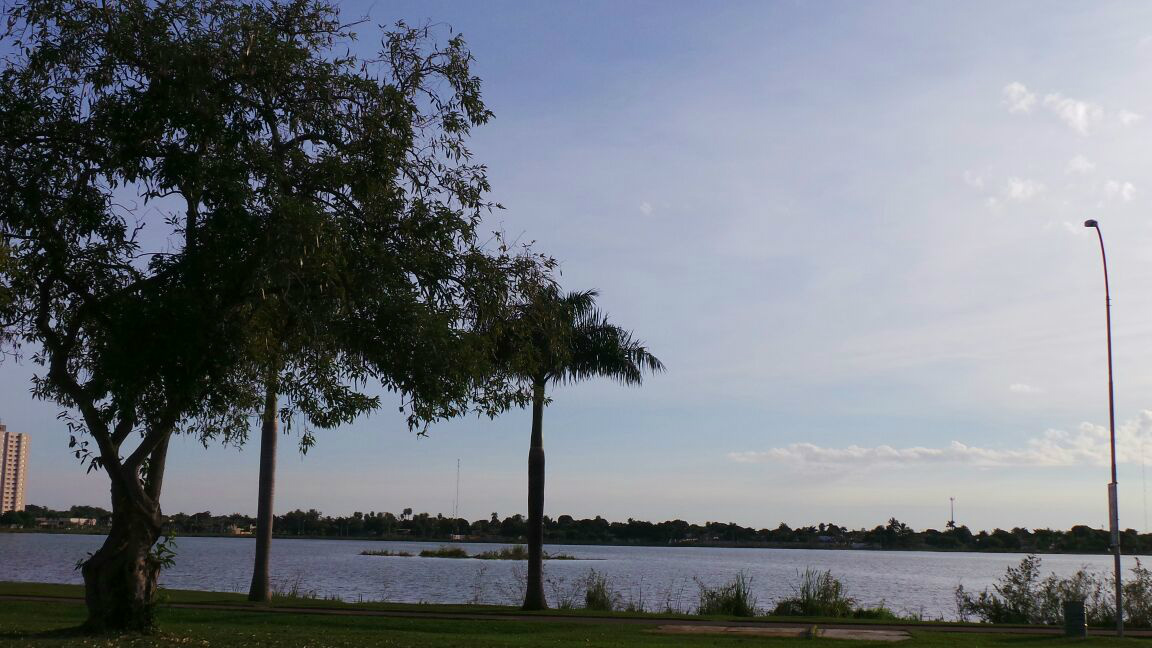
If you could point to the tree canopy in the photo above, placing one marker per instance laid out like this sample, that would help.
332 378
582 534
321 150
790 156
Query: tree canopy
191 189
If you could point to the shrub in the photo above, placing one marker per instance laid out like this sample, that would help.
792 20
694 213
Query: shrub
1022 596
881 612
1015 600
732 599
598 595
1138 596
818 594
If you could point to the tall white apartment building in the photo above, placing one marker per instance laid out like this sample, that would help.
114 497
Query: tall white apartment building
13 469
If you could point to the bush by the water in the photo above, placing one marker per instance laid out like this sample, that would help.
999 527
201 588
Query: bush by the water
883 613
821 594
598 594
733 598
1023 596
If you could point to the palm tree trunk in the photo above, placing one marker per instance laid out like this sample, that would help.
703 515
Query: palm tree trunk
534 595
268 431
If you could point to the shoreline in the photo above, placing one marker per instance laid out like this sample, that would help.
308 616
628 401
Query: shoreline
504 541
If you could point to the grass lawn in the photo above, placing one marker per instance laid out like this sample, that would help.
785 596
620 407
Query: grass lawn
35 623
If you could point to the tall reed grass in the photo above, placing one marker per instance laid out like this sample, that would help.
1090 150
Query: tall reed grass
733 598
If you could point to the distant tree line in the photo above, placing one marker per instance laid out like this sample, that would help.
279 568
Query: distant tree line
565 529
31 513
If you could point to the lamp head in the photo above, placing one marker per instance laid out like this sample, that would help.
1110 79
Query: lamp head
1090 223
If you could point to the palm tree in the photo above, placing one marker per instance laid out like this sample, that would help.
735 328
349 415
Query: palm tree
269 429
555 338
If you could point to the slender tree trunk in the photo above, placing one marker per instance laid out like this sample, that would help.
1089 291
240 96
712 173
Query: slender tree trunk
120 578
264 519
534 595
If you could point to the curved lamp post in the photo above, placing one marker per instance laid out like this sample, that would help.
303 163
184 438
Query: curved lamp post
1113 515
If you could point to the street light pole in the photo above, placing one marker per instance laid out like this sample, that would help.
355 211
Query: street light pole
1113 514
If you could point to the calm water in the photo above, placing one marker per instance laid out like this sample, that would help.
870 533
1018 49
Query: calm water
920 582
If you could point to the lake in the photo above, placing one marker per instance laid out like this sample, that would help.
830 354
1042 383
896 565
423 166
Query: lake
906 581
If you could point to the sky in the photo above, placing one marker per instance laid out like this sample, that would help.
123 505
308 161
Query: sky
852 232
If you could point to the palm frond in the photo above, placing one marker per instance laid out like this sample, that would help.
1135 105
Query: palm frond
598 348
579 304
563 337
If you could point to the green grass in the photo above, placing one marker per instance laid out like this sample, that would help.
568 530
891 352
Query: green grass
48 624
228 598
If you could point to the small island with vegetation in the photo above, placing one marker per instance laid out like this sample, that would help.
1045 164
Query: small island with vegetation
515 552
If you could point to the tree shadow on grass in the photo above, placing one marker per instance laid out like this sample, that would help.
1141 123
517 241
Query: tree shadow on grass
1025 640
79 632
72 632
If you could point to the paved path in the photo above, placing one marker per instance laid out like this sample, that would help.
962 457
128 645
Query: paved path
560 618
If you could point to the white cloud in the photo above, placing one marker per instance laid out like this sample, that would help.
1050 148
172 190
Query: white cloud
1080 164
1023 189
1128 118
1088 445
1077 114
1021 388
973 179
646 208
1018 98
1125 191
993 203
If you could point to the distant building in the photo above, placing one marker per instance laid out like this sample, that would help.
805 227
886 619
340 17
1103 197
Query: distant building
13 469
63 523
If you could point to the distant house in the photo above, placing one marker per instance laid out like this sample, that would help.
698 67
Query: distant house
64 523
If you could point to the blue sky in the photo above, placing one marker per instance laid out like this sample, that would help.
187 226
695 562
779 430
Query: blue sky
852 231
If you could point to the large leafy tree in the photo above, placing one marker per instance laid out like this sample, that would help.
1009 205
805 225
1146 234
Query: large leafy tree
186 187
440 357
550 338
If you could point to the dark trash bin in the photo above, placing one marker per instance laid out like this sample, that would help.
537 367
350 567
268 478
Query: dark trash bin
1075 621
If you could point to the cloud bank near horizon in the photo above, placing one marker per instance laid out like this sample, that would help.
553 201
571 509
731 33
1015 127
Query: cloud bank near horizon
1086 446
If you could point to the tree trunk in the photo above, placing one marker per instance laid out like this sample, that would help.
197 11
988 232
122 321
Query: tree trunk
534 595
120 578
264 519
